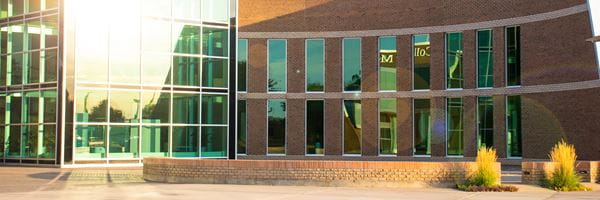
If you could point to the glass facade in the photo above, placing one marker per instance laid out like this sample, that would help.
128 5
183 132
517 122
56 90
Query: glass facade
421 62
387 63
485 59
242 62
352 127
276 120
315 65
315 127
388 127
485 122
513 126
242 127
352 64
513 56
454 126
454 60
422 127
277 65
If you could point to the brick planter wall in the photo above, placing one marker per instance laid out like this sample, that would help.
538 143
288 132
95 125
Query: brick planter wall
315 173
534 172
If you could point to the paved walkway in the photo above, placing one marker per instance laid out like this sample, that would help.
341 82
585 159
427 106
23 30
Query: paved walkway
126 183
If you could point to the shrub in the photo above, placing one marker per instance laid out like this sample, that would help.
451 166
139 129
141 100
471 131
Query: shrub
485 178
564 178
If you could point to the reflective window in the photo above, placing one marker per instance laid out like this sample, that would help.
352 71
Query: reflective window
215 10
156 35
48 101
187 39
352 63
513 121
160 8
422 126
13 142
276 113
454 134
16 69
388 127
18 31
214 109
215 42
91 106
277 65
3 111
124 142
14 105
3 70
315 65
34 31
124 43
513 56
242 61
186 9
50 31
90 142
454 60
4 39
124 106
485 59
3 8
214 141
186 71
2 139
156 69
387 63
315 127
155 141
242 126
485 122
185 108
50 4
352 127
214 72
31 107
156 107
185 141
91 45
47 147
29 140
50 62
34 5
422 62
18 7
33 68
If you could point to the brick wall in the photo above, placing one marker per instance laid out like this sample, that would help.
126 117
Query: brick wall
534 172
315 173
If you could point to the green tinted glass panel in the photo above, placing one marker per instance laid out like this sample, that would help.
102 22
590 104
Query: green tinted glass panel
315 127
3 69
47 143
14 106
124 142
124 106
3 111
16 69
214 72
352 64
2 139
156 107
50 62
454 60
186 71
315 65
31 107
215 10
185 108
388 127
485 122
187 9
91 46
4 39
214 109
276 114
13 142
91 106
50 33
48 101
513 121
33 31
187 39
51 4
33 68
155 141
387 63
34 5
214 142
17 37
4 8
156 35
124 43
215 42
455 126
156 69
242 125
242 62
277 53
485 59
422 127
352 127
185 142
422 62
90 142
513 56
29 141
18 7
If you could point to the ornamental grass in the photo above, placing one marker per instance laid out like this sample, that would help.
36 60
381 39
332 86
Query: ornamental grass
564 177
485 178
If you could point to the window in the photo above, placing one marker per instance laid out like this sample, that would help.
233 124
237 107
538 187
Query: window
33 68
214 141
388 126
47 142
485 122
422 62
124 106
185 108
91 106
352 127
156 107
513 121
124 142
242 126
485 59
186 71
91 46
422 127
214 109
352 64
186 38
90 142
277 65
513 56
387 63
242 62
315 130
455 128
214 72
215 10
276 115
155 141
186 9
454 60
13 142
185 141
215 42
315 65
29 141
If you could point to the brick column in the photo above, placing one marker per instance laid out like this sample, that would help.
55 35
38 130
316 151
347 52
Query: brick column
333 127
295 66
370 81
438 132
438 68
405 127
370 136
296 127
469 59
257 127
404 66
333 65
470 126
500 125
499 57
257 65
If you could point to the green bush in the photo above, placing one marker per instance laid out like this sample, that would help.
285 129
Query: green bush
564 178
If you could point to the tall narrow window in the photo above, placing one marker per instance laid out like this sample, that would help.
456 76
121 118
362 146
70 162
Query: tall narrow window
513 121
352 64
422 127
387 63
388 126
422 62
454 60
485 122
242 127
277 54
352 127
276 122
315 65
242 61
315 131
513 56
455 127
485 59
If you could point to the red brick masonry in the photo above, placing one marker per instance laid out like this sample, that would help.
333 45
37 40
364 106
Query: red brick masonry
315 173
534 172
